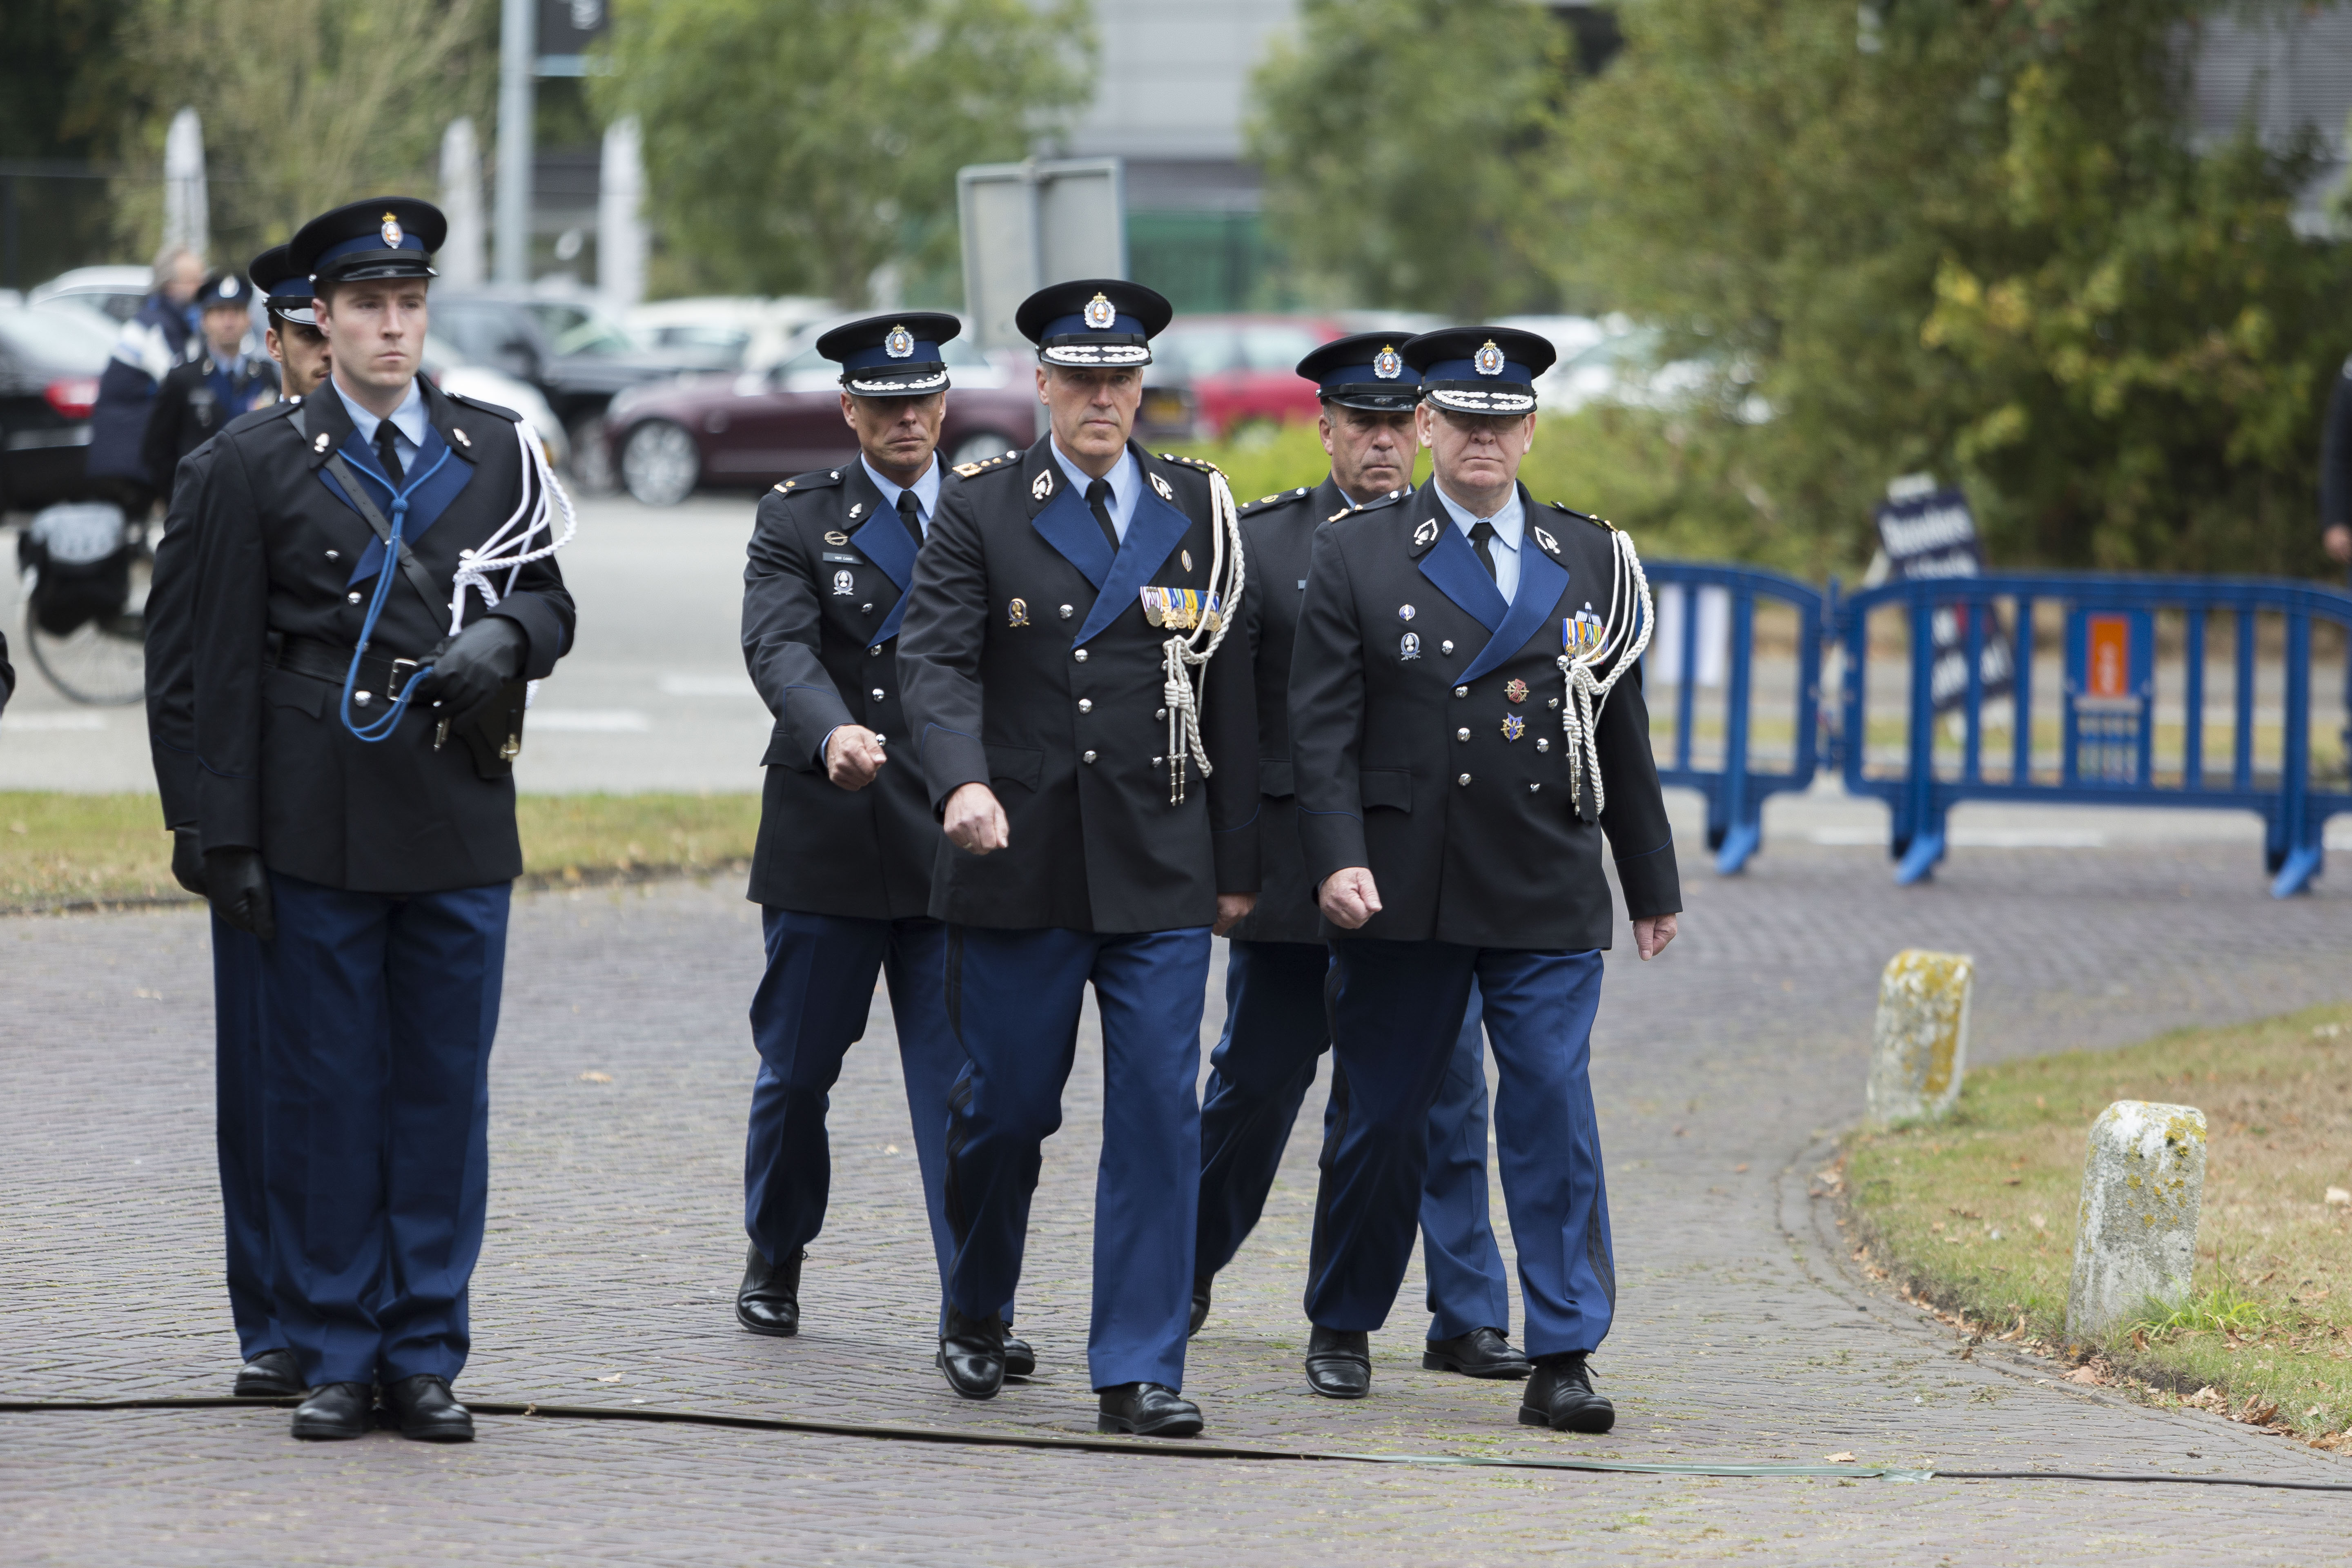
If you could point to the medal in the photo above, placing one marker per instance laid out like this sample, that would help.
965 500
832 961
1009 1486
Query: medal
1404 612
1513 726
844 584
1016 612
1515 691
1409 647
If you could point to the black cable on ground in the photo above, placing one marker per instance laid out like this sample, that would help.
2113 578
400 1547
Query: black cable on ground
1187 1449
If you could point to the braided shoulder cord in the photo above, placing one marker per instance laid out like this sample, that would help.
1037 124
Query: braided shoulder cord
1630 614
1228 574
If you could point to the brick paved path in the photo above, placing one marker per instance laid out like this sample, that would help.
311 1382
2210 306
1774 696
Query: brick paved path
615 1240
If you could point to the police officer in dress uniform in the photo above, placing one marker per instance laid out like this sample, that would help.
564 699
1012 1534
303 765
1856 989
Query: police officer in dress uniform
198 399
356 808
1275 1021
1058 606
1466 728
293 342
847 841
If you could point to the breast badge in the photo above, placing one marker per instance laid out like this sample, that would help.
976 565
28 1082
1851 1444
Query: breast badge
844 584
1404 612
1409 646
837 537
1515 691
1513 726
1016 612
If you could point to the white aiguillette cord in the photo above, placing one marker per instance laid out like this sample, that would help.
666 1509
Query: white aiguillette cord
1184 652
528 519
1621 647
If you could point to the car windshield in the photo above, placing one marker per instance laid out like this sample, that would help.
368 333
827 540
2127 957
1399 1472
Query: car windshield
577 330
72 339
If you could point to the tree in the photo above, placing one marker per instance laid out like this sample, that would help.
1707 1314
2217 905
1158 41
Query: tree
1410 150
795 146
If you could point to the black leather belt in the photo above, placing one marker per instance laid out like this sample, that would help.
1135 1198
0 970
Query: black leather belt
380 675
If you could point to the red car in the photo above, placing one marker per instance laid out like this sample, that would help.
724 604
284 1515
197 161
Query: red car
1217 373
762 426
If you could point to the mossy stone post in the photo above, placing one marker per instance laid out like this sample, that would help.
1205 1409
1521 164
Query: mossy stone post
1920 1048
2136 1234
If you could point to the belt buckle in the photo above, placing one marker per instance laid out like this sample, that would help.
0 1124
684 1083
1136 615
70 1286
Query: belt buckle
398 665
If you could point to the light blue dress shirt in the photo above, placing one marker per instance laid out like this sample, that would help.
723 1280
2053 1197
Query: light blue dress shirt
926 488
1126 486
407 425
1511 527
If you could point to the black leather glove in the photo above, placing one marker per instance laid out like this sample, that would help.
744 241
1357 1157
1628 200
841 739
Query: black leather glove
187 860
239 890
484 657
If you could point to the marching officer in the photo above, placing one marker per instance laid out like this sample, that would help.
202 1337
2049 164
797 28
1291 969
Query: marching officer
1276 1025
843 868
199 398
1467 724
293 342
370 595
1093 758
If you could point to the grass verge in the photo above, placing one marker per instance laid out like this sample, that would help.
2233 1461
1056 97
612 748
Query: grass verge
61 849
1977 1215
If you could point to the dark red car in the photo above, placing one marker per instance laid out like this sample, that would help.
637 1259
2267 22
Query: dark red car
1211 375
761 426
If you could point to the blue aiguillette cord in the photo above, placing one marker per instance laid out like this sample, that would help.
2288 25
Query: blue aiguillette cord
382 729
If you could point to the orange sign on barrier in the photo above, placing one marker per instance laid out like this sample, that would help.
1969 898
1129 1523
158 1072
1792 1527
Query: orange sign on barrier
2108 666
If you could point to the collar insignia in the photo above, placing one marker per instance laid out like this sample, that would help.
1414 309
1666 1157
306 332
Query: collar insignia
1101 313
1426 533
899 344
1043 485
855 510
463 439
1488 361
1551 545
1161 485
319 443
390 232
1388 365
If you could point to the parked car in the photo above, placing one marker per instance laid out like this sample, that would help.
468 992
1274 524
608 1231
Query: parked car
1211 375
762 426
454 372
1628 369
727 331
119 292
50 358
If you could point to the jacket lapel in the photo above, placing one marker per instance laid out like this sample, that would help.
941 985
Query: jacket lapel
878 533
1057 511
1542 581
1151 533
442 472
1451 566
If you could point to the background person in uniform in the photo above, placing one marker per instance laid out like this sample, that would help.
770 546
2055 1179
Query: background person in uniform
201 396
1276 1026
1452 823
1035 659
301 355
372 858
162 334
843 868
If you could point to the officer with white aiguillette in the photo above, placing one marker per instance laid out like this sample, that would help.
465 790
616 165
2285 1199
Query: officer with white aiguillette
1467 726
1093 756
374 586
1276 1025
847 842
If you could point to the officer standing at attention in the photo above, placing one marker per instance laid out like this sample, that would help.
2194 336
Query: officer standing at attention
1276 1026
1093 760
372 591
294 343
843 868
199 398
1467 723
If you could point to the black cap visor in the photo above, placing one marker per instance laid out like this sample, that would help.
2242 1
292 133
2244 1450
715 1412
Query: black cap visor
1373 397
369 266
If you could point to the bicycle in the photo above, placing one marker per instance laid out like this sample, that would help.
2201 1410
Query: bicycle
86 571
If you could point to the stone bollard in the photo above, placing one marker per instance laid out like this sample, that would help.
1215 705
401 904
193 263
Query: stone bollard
2136 1234
1920 1048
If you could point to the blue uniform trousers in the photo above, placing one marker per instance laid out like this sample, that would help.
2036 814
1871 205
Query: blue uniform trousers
377 1016
1394 1009
1014 997
236 1136
1276 1027
811 1007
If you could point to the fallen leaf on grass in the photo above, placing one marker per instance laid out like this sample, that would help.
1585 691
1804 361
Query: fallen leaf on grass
2084 1375
1840 1459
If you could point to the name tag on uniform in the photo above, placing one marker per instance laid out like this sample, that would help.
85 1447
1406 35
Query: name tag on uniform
852 560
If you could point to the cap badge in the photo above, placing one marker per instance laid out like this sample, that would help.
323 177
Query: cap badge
899 344
1041 486
1515 691
1409 646
1488 359
1016 612
1099 314
390 232
1388 365
228 288
1513 726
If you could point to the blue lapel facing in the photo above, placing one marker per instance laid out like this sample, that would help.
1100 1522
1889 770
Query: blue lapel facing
425 503
1453 566
1542 581
885 542
1072 530
1151 533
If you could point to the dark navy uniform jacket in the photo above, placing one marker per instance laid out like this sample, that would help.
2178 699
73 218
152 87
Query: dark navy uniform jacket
1402 760
1279 532
1030 665
279 552
824 593
197 401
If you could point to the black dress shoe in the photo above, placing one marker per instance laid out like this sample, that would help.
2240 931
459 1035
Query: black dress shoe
1147 1410
269 1375
424 1408
334 1411
769 1299
972 1354
1200 1303
1020 1361
1339 1362
1560 1395
1481 1353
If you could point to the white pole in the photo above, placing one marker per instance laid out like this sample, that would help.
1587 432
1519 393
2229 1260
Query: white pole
620 227
460 261
187 213
518 43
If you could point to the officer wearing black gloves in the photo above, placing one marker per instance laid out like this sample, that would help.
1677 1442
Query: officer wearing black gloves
374 586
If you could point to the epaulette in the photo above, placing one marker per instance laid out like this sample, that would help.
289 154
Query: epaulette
966 471
1202 464
509 414
1586 516
1375 504
1279 498
822 478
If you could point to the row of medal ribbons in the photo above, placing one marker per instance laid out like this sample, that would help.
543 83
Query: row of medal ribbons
1178 609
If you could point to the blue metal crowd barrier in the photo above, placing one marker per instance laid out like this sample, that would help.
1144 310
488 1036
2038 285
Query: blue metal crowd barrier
1737 790
2108 703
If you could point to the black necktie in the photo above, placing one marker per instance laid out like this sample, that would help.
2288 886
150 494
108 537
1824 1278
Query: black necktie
1482 539
911 514
387 454
1098 502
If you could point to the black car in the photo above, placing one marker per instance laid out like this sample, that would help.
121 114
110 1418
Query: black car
51 357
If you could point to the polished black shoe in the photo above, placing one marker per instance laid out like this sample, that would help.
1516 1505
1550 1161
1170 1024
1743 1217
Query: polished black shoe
972 1354
1560 1395
1481 1353
1019 1360
769 1299
1147 1410
335 1411
1200 1303
1339 1362
269 1375
424 1409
